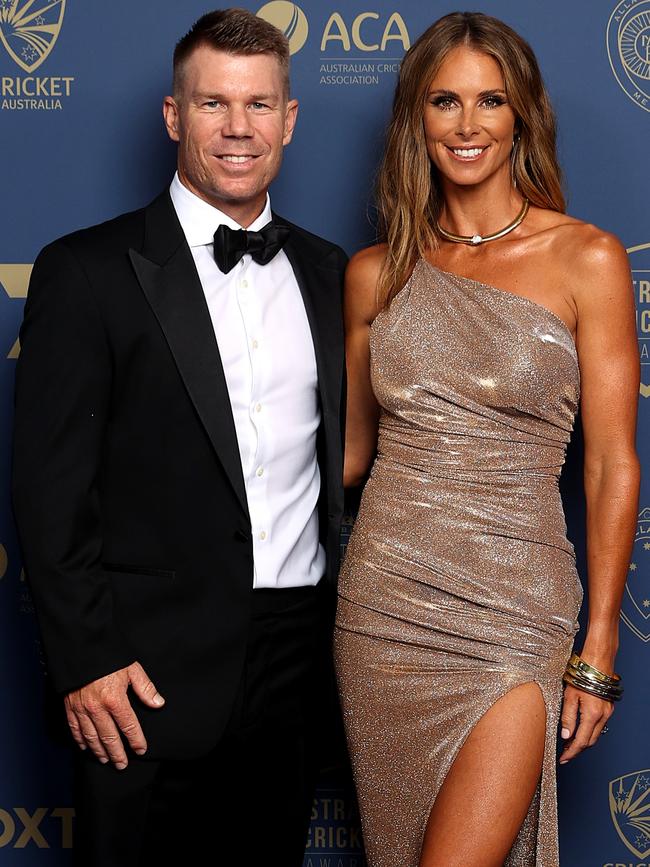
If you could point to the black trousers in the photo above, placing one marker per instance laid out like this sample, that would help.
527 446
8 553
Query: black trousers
246 803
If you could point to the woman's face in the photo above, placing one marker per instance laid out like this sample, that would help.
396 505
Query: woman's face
468 123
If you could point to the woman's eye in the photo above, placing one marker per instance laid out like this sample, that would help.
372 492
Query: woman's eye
493 101
444 102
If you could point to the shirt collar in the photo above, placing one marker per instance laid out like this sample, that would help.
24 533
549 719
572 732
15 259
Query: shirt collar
200 220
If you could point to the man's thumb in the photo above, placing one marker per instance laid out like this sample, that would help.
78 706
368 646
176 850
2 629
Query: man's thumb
143 687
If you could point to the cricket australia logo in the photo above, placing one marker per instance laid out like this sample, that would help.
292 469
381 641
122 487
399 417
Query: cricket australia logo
29 29
629 805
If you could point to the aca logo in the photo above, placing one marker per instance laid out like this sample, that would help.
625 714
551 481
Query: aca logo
629 806
393 29
29 30
356 49
354 46
14 279
628 48
635 611
288 18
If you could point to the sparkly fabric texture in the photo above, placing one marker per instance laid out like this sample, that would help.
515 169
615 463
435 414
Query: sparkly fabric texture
459 583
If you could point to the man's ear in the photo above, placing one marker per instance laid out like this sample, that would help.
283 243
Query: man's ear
290 118
171 117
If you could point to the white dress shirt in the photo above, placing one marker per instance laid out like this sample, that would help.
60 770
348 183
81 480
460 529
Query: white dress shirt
267 353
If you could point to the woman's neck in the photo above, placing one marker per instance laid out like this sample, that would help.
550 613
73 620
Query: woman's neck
480 209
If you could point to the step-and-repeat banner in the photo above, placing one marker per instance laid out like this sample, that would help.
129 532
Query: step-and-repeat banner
81 139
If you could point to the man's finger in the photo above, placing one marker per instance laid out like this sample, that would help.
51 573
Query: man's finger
75 730
143 687
130 727
91 737
110 738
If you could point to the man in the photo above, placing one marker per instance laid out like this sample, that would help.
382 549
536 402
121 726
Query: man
177 480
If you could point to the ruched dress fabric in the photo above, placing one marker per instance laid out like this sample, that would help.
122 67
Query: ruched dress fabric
459 583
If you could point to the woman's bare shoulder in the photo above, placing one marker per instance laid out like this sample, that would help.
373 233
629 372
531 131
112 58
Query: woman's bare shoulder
582 248
361 279
365 266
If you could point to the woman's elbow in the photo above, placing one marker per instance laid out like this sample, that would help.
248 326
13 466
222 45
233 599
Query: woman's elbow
622 467
355 470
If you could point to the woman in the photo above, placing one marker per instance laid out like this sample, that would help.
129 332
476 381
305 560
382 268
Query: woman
470 333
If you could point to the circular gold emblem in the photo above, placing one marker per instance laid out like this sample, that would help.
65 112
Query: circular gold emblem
288 18
628 48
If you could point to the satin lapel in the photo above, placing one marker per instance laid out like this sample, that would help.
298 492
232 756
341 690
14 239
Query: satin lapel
166 272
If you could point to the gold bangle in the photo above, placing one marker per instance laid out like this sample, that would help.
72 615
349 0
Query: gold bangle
583 667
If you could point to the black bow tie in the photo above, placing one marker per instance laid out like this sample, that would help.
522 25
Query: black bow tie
231 244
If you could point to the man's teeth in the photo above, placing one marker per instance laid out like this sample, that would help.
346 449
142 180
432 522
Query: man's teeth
468 152
233 159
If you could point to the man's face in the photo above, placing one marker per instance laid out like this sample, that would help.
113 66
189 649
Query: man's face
231 119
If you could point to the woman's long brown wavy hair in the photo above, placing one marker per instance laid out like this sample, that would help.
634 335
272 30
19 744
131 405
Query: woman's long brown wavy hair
409 198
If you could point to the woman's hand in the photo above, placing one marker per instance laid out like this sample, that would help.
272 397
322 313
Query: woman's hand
583 719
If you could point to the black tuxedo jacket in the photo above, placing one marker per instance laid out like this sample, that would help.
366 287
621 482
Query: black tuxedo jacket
128 490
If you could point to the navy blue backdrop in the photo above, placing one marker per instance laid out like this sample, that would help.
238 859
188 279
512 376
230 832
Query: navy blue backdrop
81 140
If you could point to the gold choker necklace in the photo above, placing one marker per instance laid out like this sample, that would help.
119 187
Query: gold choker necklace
475 240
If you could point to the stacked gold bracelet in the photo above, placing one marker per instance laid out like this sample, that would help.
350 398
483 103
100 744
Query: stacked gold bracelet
589 679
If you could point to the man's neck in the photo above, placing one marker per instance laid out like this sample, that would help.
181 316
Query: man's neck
243 213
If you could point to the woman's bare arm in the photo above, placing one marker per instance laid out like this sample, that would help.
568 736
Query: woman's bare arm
360 309
609 369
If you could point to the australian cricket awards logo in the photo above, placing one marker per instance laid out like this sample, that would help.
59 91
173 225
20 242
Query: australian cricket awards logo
640 262
628 48
288 18
635 611
629 805
29 30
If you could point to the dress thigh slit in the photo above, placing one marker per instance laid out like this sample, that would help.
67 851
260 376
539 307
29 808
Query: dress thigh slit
405 761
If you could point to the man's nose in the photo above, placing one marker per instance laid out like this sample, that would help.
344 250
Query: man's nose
238 122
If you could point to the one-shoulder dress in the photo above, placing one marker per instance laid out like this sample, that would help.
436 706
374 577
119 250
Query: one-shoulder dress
459 583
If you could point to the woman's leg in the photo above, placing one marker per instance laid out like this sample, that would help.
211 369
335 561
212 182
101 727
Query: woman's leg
488 790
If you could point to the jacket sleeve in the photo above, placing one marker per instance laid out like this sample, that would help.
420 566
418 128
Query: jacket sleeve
63 386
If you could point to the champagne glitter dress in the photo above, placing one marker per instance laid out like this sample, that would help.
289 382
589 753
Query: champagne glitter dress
459 583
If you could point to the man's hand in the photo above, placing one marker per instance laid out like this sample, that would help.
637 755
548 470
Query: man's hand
99 711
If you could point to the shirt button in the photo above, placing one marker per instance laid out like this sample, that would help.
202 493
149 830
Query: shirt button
263 535
243 284
260 471
255 344
258 407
